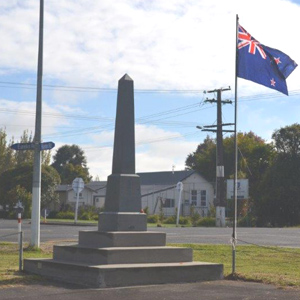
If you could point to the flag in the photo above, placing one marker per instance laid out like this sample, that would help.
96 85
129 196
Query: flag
262 64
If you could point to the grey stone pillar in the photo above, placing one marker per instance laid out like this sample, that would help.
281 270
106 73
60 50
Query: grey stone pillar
123 192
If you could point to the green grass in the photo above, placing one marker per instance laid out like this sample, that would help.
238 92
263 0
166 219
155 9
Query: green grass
9 264
70 221
273 265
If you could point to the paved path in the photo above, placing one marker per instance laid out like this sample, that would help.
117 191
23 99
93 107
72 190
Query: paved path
225 290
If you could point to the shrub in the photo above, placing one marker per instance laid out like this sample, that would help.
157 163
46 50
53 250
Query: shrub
194 216
87 212
170 220
206 222
184 220
247 221
152 219
65 215
52 214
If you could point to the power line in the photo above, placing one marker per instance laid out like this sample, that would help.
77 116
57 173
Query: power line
95 89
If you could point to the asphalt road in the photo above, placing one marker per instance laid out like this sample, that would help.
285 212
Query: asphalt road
283 237
214 290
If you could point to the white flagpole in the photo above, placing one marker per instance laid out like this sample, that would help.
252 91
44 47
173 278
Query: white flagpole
234 233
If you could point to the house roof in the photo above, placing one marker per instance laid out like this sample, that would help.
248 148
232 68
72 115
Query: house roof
93 185
164 177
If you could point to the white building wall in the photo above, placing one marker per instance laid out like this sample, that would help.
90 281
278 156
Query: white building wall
195 182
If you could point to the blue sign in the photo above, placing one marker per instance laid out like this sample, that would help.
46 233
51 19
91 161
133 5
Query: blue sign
30 146
23 146
47 146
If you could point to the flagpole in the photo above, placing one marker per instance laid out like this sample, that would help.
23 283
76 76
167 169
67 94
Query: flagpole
234 233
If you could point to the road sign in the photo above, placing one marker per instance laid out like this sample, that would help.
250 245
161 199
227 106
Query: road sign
23 146
19 207
47 146
242 189
30 146
77 185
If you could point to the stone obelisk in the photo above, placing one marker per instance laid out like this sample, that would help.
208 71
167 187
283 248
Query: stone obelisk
123 192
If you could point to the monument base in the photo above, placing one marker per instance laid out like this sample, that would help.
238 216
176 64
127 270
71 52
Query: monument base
122 221
112 259
118 275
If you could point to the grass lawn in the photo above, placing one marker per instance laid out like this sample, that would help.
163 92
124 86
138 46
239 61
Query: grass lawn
9 264
279 266
275 265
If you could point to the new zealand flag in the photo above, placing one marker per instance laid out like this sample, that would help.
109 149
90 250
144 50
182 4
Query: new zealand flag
262 64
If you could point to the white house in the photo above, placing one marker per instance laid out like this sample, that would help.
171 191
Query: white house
158 190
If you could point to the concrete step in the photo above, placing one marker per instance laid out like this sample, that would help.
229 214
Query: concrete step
124 274
122 255
98 239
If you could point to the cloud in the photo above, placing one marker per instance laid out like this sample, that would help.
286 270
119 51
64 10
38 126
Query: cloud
156 150
161 44
19 116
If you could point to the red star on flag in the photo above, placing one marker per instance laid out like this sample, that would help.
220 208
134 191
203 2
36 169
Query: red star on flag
273 82
277 60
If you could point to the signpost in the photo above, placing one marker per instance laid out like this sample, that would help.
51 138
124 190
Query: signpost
77 186
37 147
19 209
179 188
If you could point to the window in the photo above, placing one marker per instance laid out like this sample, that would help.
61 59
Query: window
194 197
203 198
80 195
168 203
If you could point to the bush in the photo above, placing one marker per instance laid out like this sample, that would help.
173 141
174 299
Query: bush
206 222
87 212
152 219
65 215
194 216
184 220
247 221
52 214
170 220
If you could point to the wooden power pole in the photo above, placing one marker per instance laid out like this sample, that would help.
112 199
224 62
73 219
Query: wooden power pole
220 179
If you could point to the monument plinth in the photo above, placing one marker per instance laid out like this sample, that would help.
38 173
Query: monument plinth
122 252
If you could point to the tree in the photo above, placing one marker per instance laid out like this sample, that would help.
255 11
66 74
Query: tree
26 156
7 159
279 202
19 193
287 140
204 159
70 172
22 176
70 162
253 158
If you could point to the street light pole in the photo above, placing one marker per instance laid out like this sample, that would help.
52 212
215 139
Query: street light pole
36 184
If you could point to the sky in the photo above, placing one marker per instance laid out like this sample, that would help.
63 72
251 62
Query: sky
174 50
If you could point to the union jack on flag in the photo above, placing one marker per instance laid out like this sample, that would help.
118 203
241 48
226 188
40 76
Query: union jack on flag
262 64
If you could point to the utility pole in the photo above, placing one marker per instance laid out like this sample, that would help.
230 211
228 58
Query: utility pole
220 180
36 184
